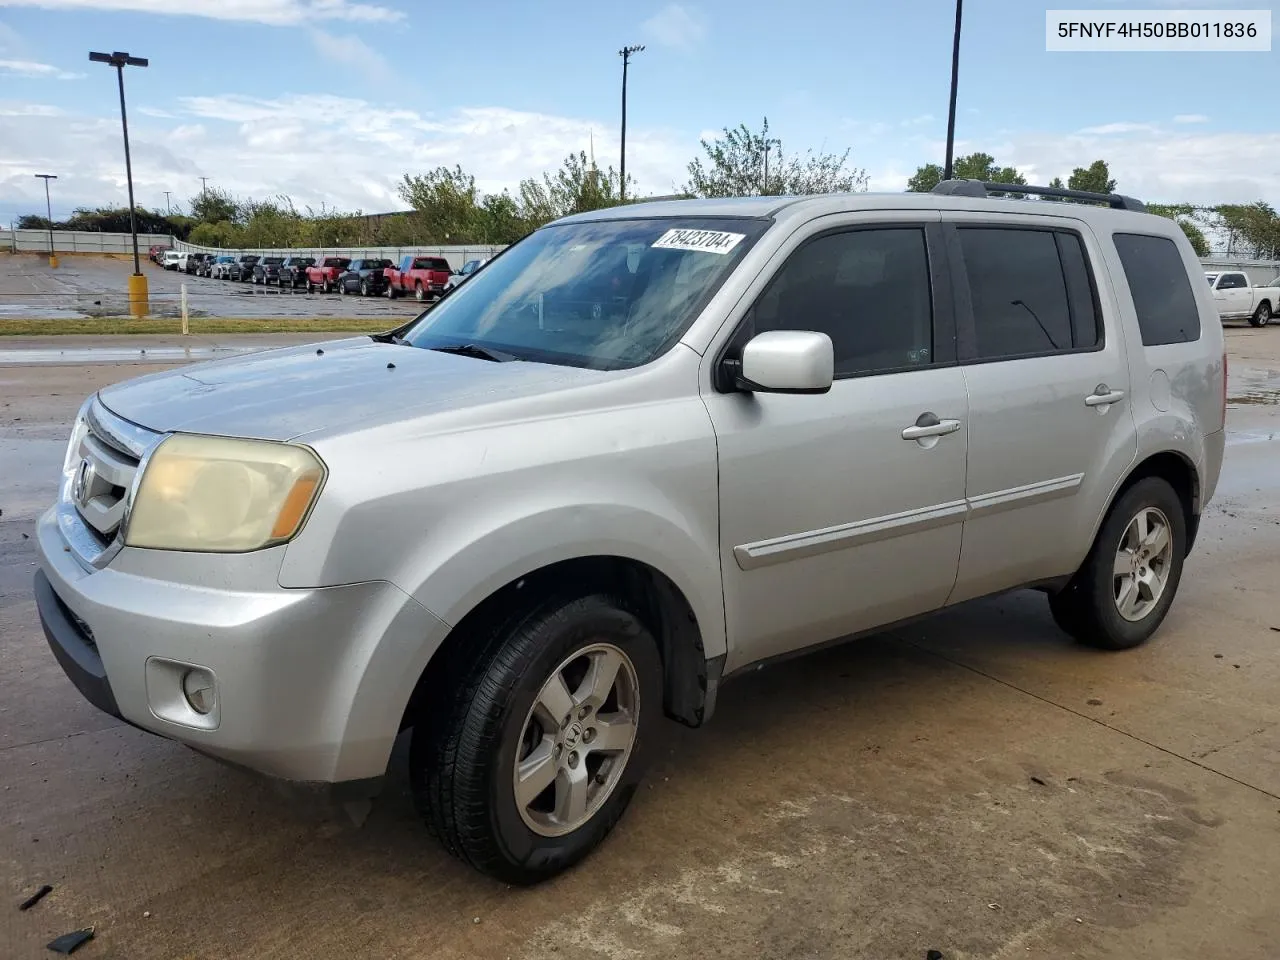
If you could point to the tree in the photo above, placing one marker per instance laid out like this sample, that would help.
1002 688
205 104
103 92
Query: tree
501 220
975 166
1252 227
448 203
735 163
214 206
1184 214
31 221
1096 178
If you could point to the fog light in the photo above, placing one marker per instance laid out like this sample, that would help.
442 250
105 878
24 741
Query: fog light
197 687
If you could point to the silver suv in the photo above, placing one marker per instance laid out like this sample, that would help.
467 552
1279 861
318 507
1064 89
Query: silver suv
640 451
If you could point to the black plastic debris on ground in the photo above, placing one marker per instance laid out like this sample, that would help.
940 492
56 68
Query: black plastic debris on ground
35 898
933 955
71 942
1037 780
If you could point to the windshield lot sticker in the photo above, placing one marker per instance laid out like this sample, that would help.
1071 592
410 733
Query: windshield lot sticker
706 241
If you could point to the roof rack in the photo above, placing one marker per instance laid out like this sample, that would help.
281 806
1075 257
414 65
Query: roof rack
984 188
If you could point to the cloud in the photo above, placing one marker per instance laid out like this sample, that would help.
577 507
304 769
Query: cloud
676 26
1149 161
156 112
1191 118
37 71
342 152
279 13
1107 129
921 120
351 51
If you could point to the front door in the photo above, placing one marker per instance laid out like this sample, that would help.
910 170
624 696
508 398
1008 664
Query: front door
842 511
1050 427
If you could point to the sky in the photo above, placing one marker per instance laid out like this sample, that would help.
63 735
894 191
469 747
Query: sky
331 102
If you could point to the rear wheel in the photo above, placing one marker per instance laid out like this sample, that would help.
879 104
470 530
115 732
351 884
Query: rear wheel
364 288
391 291
1121 594
539 752
418 293
311 287
328 288
1262 316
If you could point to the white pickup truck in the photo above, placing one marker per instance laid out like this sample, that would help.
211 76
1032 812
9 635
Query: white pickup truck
1236 300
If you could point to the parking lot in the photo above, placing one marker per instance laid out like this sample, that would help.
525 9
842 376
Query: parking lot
973 784
97 286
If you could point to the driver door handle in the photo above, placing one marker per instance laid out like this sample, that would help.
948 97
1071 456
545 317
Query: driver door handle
928 425
1102 397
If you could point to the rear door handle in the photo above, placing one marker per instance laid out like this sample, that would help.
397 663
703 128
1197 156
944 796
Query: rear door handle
928 425
1102 396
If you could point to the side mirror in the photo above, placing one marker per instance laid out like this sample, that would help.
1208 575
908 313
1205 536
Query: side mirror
788 361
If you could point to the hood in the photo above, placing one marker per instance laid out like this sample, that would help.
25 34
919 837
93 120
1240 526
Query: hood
282 394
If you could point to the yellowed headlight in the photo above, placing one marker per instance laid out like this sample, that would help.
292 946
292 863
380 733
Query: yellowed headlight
223 495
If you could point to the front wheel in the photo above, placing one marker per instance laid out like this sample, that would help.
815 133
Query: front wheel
364 288
311 287
391 292
1121 594
327 287
1262 316
418 293
537 755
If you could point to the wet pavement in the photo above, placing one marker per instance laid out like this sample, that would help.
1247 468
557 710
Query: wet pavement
94 286
973 784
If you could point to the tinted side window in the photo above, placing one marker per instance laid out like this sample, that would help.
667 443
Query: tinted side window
1018 283
1162 295
1231 281
868 290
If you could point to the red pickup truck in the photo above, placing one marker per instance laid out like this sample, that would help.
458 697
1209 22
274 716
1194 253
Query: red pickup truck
421 276
324 273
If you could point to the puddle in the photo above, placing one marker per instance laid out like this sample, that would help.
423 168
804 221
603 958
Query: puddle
18 311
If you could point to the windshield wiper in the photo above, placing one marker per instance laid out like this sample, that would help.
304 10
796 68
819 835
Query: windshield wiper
388 338
477 351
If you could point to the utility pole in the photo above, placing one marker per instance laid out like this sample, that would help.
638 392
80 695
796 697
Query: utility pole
955 80
625 53
166 202
48 209
137 282
204 186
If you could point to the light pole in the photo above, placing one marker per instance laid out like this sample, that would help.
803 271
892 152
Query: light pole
137 282
625 53
955 80
48 209
166 202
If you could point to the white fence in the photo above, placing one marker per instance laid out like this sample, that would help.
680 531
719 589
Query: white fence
1258 271
78 241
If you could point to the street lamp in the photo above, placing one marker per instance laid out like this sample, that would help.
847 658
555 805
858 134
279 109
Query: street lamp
625 53
48 209
955 80
137 282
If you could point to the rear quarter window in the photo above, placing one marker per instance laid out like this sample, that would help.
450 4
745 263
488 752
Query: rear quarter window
1162 294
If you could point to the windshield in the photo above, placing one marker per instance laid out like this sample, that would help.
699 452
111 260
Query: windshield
603 294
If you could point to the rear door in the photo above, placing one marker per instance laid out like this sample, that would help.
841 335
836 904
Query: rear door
1050 429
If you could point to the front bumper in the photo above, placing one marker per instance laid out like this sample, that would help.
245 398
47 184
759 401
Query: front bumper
309 685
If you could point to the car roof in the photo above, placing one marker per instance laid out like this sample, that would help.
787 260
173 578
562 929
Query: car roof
808 207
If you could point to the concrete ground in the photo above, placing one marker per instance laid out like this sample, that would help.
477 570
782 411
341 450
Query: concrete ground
97 286
973 784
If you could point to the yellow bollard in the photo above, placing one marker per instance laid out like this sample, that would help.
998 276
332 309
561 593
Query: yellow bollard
138 305
53 260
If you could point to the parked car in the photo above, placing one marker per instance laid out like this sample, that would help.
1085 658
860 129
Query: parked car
424 277
293 271
205 269
365 277
156 253
324 273
786 416
242 268
196 260
170 259
267 270
1236 300
468 268
220 269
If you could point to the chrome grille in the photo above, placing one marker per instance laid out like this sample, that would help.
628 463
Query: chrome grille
96 490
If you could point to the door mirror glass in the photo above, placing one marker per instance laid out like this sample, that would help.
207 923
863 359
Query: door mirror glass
788 361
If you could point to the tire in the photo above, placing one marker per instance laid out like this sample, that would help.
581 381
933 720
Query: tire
1262 316
1089 607
364 288
327 286
418 293
311 287
467 744
391 292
